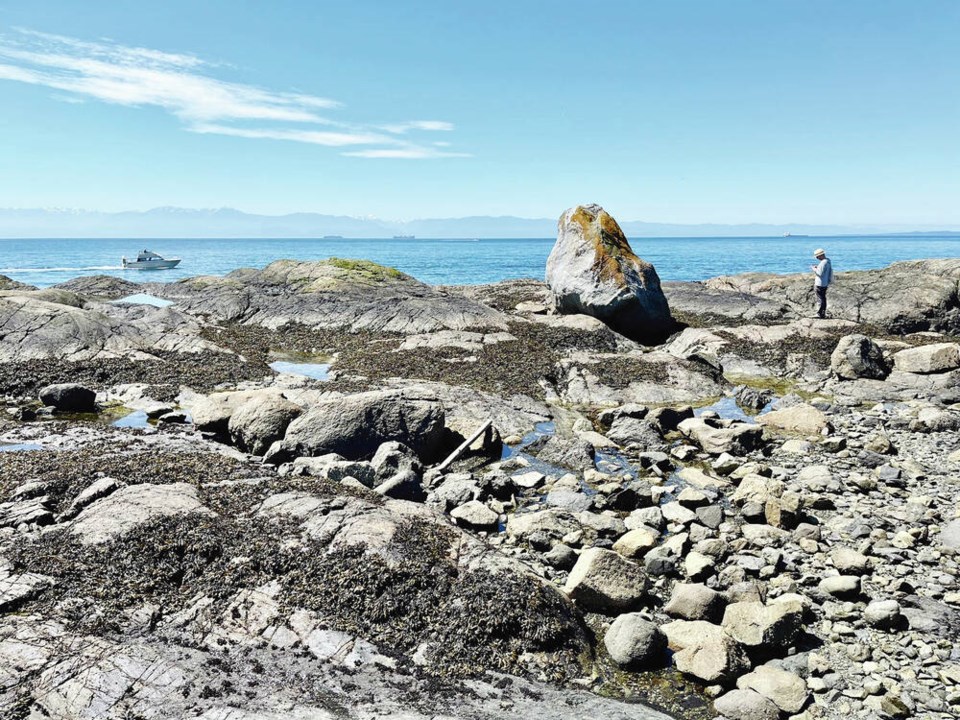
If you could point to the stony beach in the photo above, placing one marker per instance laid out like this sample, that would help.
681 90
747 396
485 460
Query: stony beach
671 499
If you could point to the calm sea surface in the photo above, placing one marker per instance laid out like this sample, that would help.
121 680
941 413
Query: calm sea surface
50 261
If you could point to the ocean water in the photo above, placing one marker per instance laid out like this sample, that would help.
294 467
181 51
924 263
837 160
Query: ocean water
47 262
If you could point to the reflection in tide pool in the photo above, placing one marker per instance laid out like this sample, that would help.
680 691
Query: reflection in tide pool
317 371
136 419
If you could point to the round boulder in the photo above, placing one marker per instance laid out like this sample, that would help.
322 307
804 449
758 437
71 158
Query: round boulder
633 641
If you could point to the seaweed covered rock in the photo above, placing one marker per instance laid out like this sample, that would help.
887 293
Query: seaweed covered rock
358 295
593 270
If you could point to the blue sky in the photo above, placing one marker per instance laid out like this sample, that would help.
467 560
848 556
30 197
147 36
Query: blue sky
672 111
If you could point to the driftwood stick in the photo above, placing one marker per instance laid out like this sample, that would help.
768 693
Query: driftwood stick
464 445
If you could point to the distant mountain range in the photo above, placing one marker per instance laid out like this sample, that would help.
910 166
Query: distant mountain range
229 223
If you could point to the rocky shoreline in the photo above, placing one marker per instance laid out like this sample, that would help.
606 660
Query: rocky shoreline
758 516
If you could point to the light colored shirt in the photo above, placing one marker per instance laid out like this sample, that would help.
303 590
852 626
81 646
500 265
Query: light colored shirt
824 274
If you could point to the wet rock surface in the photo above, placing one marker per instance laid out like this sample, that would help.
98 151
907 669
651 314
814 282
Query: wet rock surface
266 544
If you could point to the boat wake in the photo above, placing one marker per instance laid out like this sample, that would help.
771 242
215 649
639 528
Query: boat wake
60 269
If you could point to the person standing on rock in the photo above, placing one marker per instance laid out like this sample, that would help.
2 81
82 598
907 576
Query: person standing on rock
823 276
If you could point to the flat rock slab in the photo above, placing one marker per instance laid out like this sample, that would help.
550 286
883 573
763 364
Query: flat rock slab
19 588
133 506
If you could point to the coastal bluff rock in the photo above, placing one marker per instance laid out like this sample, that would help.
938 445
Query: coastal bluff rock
592 270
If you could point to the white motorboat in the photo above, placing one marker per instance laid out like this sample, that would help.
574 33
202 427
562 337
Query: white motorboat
147 260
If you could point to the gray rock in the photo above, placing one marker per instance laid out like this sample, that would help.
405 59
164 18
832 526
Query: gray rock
261 421
569 453
627 430
554 524
18 588
69 397
719 436
693 601
857 356
212 413
94 491
635 543
355 295
845 587
711 657
883 614
849 561
130 507
936 358
746 705
634 642
356 425
474 514
786 690
592 270
569 499
392 457
950 535
767 626
603 581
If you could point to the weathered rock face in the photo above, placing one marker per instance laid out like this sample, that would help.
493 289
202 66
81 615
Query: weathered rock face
56 324
592 270
903 297
350 294
857 356
356 425
925 359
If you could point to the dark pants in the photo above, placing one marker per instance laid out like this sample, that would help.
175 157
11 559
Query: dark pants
822 297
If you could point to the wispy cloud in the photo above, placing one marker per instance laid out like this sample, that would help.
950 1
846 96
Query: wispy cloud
430 125
183 85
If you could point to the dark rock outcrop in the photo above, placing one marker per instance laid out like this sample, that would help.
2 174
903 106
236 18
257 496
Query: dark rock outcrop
69 397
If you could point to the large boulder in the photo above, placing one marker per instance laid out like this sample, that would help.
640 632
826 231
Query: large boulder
936 358
69 397
593 271
857 356
355 426
260 422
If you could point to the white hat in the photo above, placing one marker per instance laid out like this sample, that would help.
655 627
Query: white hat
818 252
